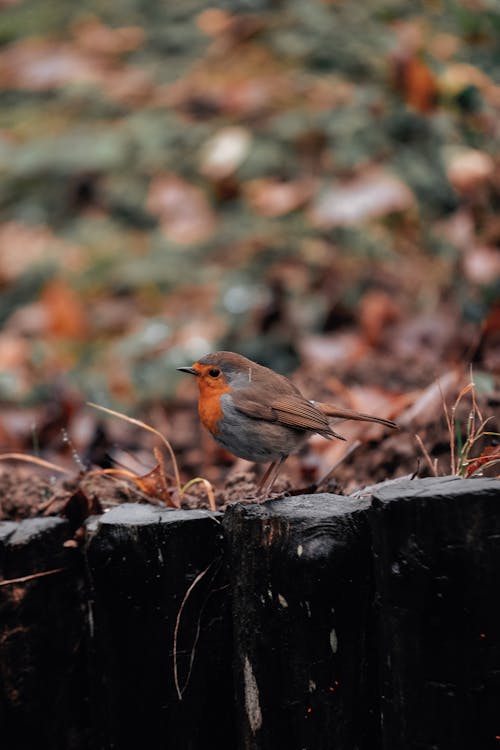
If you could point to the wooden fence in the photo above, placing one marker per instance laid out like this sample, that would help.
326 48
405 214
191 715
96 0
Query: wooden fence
308 623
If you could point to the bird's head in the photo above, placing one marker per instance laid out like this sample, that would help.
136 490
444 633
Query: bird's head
220 372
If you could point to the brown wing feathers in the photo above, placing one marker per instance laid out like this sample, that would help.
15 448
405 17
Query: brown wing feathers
291 410
297 412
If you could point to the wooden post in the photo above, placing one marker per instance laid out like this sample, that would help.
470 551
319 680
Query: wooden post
437 560
43 685
141 562
301 588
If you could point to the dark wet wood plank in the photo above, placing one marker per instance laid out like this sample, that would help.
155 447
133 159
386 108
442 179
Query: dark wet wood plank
301 589
437 560
141 561
43 685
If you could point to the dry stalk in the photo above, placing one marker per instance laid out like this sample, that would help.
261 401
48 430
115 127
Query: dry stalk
432 465
180 690
33 460
147 427
30 577
208 487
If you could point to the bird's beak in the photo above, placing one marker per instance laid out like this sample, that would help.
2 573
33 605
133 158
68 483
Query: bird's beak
190 370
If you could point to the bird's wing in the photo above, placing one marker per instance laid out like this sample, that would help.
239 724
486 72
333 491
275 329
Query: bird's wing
291 410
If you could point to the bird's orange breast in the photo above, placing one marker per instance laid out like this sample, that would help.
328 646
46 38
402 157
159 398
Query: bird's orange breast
210 407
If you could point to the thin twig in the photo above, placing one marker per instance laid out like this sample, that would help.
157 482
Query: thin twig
147 427
22 579
456 460
199 577
207 486
450 432
432 466
33 460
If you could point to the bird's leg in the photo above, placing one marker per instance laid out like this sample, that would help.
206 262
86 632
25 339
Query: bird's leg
265 475
269 478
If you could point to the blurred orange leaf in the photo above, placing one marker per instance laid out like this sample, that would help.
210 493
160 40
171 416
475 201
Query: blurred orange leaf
65 311
490 455
377 310
417 84
95 37
273 197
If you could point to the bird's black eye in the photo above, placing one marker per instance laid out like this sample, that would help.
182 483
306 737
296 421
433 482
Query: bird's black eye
214 372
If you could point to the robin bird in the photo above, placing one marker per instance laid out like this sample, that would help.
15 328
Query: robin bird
257 414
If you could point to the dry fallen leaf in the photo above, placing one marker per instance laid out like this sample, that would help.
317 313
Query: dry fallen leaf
213 21
272 197
481 264
243 81
93 36
23 246
41 65
183 210
377 310
417 83
14 351
468 168
411 75
66 314
376 193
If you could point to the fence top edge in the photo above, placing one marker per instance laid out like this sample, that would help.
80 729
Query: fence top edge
29 528
433 487
320 506
137 514
7 528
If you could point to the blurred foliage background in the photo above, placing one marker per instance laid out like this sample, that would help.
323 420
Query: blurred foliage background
309 183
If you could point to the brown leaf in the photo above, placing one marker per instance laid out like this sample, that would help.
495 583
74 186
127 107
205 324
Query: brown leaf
65 311
412 77
41 65
417 84
243 81
468 168
39 244
272 197
213 21
14 351
183 210
154 483
490 454
93 36
377 311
